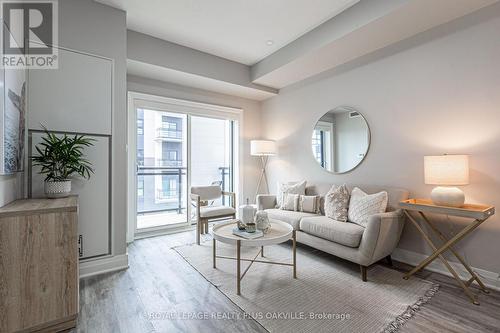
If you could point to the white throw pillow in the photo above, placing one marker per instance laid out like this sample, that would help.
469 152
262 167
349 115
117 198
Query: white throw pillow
290 187
290 202
363 205
309 203
337 203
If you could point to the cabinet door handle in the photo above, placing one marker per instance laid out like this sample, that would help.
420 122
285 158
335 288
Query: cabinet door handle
80 246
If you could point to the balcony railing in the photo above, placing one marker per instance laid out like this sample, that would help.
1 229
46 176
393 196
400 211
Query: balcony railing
168 163
166 133
180 172
176 195
164 194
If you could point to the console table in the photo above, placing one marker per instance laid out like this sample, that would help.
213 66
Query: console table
479 214
39 265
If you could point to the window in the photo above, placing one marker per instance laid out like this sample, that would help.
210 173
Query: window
318 146
169 123
140 126
140 156
169 188
172 155
140 187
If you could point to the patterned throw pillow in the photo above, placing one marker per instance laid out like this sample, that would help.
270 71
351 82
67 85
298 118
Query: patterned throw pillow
309 203
290 187
363 205
290 202
337 203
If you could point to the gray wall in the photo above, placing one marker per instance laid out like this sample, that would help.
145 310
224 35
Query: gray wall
251 119
87 26
437 92
94 28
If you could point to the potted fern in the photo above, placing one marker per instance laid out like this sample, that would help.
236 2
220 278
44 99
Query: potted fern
60 158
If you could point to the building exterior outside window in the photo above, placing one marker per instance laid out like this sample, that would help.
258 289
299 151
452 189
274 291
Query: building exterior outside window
162 165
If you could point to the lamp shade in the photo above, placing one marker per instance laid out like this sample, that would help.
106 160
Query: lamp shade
262 148
446 170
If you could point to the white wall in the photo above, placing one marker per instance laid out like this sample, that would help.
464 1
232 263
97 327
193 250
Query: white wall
87 26
251 119
437 92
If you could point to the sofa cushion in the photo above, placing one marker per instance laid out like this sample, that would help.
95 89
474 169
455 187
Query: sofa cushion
395 195
348 234
292 218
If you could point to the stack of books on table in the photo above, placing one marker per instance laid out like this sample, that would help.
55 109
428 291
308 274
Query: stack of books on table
247 235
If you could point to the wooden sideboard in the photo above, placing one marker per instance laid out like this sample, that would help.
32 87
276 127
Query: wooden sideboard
39 265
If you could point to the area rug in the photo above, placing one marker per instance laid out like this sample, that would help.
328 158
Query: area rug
327 296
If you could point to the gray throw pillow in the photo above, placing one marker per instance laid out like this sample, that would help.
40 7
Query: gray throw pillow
337 203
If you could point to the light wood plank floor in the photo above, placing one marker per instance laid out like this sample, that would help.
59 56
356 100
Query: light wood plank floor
160 283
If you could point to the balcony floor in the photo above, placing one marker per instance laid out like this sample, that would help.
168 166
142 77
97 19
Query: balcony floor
159 219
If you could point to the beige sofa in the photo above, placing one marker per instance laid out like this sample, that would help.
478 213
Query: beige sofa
349 241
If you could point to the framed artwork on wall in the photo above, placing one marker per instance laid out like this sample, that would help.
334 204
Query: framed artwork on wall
13 120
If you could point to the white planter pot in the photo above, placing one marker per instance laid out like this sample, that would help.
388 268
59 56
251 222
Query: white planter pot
57 189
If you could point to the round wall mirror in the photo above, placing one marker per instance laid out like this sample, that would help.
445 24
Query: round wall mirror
340 139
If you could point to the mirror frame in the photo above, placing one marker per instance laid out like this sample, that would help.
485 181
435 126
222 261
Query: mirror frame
347 108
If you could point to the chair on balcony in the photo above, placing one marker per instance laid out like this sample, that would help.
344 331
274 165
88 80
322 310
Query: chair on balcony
200 195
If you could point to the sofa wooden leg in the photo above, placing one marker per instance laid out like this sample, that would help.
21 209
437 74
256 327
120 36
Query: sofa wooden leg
389 260
363 272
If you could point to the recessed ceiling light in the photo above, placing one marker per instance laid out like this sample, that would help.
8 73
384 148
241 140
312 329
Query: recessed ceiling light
269 42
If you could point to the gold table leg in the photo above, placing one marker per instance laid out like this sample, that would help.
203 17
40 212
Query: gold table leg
238 266
458 256
438 254
458 237
294 249
214 252
239 275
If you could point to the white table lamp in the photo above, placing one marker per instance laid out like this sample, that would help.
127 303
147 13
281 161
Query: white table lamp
263 149
447 171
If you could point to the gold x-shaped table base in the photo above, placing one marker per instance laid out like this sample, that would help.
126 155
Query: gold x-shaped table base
448 245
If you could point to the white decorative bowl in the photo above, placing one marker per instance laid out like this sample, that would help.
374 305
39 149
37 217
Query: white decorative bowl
57 189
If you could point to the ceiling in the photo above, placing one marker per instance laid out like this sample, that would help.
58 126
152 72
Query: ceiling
237 30
160 73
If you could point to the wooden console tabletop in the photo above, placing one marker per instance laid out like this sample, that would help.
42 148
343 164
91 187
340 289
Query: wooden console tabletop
39 206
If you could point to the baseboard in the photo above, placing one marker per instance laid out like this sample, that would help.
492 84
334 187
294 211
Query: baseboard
104 265
490 279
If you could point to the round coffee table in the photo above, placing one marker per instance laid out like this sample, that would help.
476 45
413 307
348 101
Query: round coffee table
280 232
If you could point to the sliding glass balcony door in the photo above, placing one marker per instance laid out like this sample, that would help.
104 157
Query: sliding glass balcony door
212 153
161 169
175 151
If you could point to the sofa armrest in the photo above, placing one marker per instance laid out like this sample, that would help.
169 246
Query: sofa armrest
381 236
265 201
